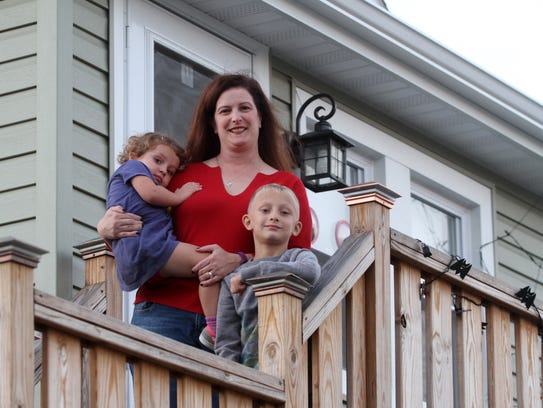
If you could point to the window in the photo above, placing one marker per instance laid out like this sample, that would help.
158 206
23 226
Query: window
166 63
435 226
440 218
355 174
282 99
178 84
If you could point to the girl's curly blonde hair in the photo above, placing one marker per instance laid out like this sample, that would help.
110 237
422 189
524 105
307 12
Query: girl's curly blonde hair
139 144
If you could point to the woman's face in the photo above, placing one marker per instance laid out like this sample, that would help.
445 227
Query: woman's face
237 120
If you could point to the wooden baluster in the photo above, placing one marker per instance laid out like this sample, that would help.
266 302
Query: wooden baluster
17 261
107 375
409 354
500 371
370 204
151 385
470 350
528 364
326 361
100 267
439 346
356 345
61 384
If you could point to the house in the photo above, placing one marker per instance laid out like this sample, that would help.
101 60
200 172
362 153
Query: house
462 149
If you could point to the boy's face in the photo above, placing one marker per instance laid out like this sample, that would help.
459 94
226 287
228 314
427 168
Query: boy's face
162 163
273 217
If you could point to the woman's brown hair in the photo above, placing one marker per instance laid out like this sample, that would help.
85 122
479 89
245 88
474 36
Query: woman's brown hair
203 143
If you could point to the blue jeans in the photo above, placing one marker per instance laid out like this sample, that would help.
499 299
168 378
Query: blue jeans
176 324
170 322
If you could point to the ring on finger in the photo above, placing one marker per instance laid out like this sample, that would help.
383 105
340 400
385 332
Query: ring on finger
210 275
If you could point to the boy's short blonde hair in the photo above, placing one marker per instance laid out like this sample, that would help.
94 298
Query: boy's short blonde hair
279 188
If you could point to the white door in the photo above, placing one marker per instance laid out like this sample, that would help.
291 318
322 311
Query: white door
160 64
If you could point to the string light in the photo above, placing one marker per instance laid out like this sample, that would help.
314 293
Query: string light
456 264
527 298
425 249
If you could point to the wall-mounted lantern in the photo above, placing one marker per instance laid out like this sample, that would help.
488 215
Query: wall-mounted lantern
322 152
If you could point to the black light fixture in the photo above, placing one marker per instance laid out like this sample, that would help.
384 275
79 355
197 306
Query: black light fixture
322 152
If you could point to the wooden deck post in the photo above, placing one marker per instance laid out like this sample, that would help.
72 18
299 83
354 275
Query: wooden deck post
17 261
100 267
280 351
370 204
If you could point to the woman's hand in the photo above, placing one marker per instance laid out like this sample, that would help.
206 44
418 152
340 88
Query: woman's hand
216 265
118 224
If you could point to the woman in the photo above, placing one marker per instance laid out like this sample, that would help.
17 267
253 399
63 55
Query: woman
235 145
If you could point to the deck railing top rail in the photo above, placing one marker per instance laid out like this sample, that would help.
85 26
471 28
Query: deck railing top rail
477 282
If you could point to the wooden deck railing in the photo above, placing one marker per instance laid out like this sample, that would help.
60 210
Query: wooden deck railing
366 328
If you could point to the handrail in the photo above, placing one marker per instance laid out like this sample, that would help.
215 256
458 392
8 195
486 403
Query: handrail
137 343
92 297
338 276
482 284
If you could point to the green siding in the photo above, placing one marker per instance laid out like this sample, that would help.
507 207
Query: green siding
18 119
16 13
18 74
18 107
92 18
19 206
17 42
90 161
48 166
519 252
90 82
17 172
91 146
18 139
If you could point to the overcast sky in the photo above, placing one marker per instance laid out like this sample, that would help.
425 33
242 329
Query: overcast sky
502 37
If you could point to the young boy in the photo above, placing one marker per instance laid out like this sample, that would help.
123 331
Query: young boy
272 216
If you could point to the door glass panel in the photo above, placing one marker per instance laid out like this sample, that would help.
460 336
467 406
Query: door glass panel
178 82
169 60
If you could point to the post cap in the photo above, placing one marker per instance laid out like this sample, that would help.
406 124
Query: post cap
369 192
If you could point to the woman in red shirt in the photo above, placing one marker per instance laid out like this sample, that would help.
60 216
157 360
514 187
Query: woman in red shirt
235 145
